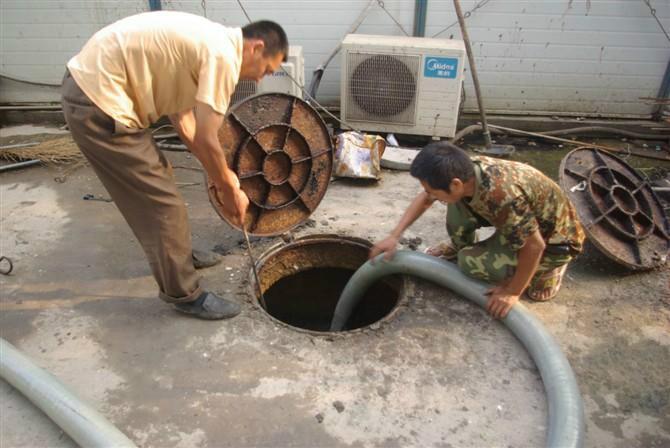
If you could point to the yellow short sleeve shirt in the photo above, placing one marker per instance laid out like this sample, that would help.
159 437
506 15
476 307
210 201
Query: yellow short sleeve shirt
159 63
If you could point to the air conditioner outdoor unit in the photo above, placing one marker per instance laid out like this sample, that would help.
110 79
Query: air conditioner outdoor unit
278 81
408 85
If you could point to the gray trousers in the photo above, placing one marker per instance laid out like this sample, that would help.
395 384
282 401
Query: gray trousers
140 180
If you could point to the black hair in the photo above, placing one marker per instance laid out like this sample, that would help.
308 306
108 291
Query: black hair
272 35
439 163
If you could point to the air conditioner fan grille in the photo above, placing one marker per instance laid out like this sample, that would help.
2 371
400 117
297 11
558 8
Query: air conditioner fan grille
382 87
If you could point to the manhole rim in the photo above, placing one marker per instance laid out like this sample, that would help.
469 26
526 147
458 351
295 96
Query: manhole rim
403 296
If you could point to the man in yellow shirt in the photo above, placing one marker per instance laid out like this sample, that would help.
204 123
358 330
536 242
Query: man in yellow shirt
127 76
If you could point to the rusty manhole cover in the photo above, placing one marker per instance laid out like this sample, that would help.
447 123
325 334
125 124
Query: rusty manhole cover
617 207
281 151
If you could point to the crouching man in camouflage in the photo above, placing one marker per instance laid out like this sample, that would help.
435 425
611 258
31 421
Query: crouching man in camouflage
537 232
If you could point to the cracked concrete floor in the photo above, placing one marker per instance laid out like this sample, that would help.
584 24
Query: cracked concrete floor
81 302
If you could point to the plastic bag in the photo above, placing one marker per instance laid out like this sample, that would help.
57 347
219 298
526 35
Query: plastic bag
358 155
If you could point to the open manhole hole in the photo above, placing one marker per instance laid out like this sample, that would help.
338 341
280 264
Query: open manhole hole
302 281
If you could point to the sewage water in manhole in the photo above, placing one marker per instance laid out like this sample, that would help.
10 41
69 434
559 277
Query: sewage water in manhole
302 282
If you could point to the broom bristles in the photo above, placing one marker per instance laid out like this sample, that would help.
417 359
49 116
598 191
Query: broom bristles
58 150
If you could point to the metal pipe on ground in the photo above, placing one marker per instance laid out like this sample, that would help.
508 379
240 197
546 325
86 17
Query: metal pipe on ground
176 147
31 107
607 130
545 135
576 142
566 410
79 420
19 145
571 131
19 165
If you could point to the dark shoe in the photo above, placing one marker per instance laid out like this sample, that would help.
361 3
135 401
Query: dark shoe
204 258
209 306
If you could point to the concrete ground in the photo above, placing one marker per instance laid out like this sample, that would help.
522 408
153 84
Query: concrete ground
82 303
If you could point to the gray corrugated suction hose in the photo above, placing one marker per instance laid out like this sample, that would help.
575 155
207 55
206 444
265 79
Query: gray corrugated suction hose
80 421
566 411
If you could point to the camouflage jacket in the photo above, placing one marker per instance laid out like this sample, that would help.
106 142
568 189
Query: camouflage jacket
517 199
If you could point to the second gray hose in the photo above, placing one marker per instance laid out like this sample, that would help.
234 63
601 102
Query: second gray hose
81 422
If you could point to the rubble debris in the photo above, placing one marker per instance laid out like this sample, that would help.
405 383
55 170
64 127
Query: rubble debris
92 197
358 155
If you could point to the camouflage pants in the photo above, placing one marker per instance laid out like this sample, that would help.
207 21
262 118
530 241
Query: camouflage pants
489 260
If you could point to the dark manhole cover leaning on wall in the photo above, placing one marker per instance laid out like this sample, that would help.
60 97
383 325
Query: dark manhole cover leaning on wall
620 212
302 281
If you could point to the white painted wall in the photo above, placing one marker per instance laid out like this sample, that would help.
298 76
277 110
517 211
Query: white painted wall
562 56
37 38
593 57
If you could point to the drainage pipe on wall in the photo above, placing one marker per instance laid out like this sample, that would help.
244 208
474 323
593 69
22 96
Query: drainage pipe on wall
80 421
566 411
420 12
